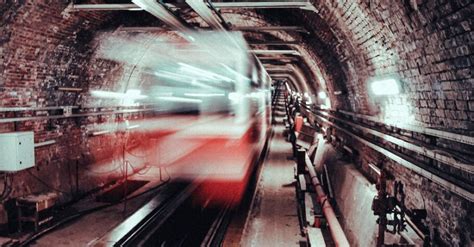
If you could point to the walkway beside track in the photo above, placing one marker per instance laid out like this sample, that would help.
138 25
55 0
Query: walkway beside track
274 217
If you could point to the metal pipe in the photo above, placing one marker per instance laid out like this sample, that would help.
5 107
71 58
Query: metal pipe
306 5
45 143
69 89
22 119
105 7
46 108
337 233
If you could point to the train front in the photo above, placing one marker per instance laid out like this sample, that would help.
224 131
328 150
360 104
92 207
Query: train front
211 108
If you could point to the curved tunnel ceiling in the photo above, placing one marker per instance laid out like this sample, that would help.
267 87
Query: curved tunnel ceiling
346 46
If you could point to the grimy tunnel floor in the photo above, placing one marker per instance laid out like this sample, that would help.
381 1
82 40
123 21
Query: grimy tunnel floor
274 219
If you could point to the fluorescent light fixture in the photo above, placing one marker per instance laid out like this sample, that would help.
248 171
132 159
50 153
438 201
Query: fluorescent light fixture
235 72
235 97
204 94
133 126
128 98
385 87
322 95
179 99
132 94
202 72
101 132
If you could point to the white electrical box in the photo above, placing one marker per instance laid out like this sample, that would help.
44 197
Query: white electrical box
17 151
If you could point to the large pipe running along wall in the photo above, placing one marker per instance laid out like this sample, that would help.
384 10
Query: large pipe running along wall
336 230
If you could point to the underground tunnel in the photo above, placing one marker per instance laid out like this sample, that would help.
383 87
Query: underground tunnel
236 123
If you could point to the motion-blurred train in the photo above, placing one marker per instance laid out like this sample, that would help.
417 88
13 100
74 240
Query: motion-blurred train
213 98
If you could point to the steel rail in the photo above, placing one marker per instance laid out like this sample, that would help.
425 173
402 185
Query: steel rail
142 223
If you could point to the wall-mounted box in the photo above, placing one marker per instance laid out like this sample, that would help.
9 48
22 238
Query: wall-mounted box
17 151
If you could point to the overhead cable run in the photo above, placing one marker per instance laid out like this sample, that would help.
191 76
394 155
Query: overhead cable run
163 13
205 11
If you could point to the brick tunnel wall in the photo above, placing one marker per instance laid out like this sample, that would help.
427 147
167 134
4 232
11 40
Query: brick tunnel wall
429 48
42 47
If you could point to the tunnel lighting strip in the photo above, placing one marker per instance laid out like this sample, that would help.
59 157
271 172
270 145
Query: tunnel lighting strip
439 180
412 147
419 129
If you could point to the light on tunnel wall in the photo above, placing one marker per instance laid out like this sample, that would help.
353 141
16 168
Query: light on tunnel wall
128 98
322 95
387 86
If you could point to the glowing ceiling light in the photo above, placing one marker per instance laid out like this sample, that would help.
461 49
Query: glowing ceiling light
204 94
385 87
322 95
235 97
235 72
202 72
182 78
133 94
179 99
128 98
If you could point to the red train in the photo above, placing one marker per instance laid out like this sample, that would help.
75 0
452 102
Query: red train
213 109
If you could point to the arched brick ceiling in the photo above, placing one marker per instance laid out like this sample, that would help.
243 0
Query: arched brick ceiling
427 46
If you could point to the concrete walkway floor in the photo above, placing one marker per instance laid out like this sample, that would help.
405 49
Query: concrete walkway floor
85 230
274 217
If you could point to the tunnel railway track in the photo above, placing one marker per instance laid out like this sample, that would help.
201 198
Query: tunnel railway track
152 215
451 169
171 218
